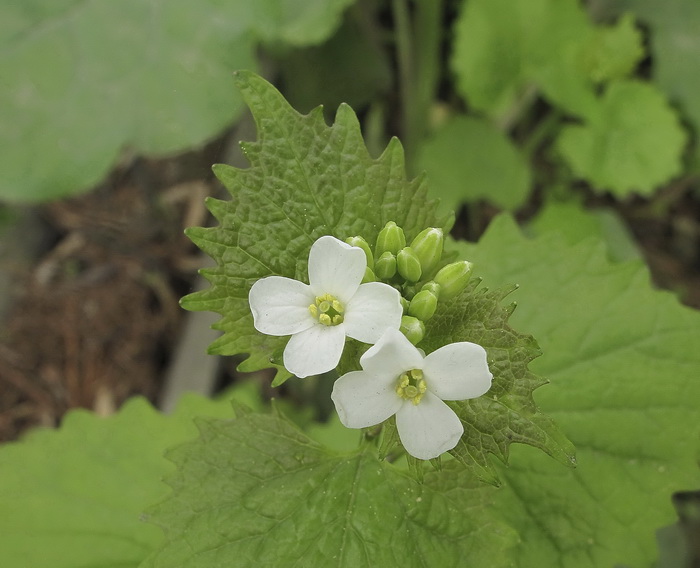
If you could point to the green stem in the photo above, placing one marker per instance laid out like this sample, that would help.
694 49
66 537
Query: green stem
511 117
418 55
544 129
428 38
375 132
404 55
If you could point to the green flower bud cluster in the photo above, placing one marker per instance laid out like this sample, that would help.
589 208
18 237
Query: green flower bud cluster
385 269
413 270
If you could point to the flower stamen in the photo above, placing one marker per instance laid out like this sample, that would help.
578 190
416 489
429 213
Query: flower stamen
411 386
327 309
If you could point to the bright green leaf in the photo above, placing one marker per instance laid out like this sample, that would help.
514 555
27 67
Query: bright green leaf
633 143
504 47
306 180
256 491
470 159
615 51
488 61
675 48
82 80
556 62
623 363
73 497
576 224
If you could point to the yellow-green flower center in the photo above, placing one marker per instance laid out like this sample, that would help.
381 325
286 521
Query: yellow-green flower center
411 386
327 309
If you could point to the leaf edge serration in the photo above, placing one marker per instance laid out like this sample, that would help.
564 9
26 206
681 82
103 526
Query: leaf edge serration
385 183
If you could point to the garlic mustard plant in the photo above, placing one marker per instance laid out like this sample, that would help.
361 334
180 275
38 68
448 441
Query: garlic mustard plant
397 269
396 379
319 315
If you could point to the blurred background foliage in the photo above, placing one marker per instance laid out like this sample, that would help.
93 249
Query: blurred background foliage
494 98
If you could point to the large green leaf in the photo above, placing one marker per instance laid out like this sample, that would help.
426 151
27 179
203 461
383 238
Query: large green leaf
503 47
614 51
576 224
306 180
84 79
675 48
630 140
470 159
255 491
623 363
633 142
73 497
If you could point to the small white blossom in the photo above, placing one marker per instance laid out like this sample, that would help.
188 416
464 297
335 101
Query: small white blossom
320 314
397 379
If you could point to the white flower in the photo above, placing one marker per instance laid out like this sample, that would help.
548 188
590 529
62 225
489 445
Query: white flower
320 314
397 379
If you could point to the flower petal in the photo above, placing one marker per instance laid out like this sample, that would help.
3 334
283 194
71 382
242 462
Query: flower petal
315 350
457 371
280 305
362 399
373 309
392 355
336 268
429 428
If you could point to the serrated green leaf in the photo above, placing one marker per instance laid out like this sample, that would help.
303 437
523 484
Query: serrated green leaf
256 491
334 435
306 180
633 143
622 360
74 496
84 79
507 413
470 159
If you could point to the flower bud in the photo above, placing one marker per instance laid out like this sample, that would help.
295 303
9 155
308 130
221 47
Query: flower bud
423 305
404 304
413 329
385 267
433 287
362 243
428 248
390 239
453 278
409 291
408 264
369 276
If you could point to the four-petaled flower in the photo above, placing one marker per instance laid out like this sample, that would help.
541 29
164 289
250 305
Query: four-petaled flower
320 314
397 379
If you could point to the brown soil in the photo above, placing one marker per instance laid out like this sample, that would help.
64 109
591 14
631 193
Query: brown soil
99 310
